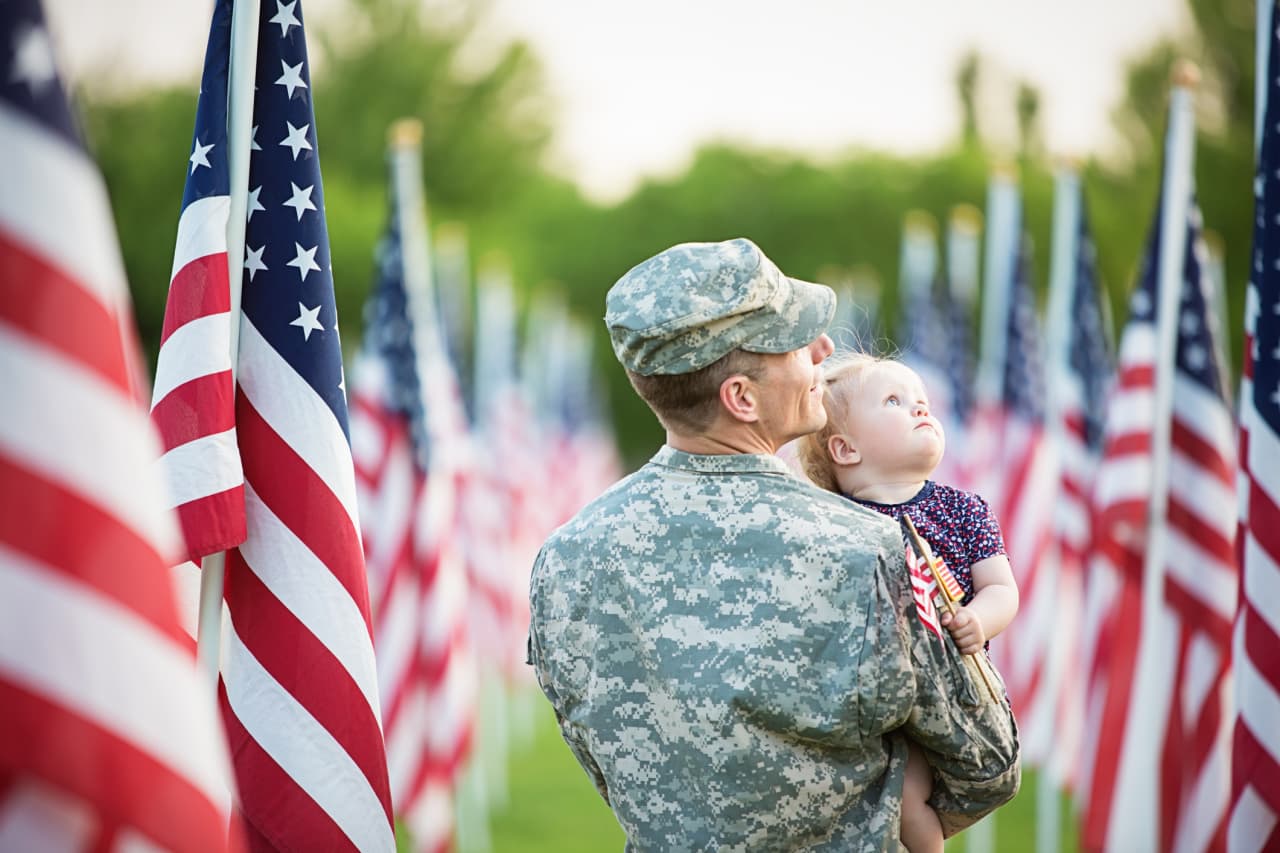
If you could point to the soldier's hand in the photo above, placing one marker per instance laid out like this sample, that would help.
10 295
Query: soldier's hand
966 630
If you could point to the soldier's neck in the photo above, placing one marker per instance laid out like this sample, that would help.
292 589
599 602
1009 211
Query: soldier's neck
720 442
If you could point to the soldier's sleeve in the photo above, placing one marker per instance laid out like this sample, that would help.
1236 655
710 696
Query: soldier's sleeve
574 735
968 736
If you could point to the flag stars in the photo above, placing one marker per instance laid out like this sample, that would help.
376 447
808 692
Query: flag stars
308 320
1196 356
1189 323
254 203
33 62
200 156
301 200
292 77
253 259
297 138
305 261
284 17
253 139
1141 302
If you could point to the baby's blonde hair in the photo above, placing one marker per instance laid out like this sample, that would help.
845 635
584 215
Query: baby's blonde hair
841 373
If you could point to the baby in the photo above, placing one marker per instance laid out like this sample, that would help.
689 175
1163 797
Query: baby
879 448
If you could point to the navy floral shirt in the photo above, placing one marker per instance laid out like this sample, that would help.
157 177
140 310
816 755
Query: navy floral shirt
959 526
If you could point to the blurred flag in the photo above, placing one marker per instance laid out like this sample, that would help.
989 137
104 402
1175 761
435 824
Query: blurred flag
1023 498
923 587
1084 383
299 688
1199 595
408 438
1255 790
108 738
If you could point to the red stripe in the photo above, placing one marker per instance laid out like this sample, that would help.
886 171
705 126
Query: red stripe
1264 520
280 815
1124 624
1261 645
213 523
125 784
1253 766
1192 611
303 502
307 670
1134 377
195 409
36 516
1208 457
1128 444
198 290
45 303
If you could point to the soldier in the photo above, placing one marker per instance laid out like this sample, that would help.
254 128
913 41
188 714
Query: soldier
734 655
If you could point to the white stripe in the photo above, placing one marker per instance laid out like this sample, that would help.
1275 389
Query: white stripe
1252 822
65 422
1071 522
195 349
202 231
397 637
37 816
202 467
1131 411
55 203
1259 705
293 409
454 706
66 642
308 588
1211 583
1123 479
1212 501
1262 582
1210 795
1206 415
1137 346
1264 459
431 817
304 749
406 745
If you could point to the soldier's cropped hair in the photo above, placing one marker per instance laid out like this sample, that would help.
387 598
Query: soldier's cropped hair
687 402
842 373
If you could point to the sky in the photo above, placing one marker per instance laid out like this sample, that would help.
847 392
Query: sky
637 86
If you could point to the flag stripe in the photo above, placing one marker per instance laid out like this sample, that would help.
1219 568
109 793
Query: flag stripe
321 767
38 299
46 432
44 620
35 516
199 289
197 410
198 348
298 497
212 521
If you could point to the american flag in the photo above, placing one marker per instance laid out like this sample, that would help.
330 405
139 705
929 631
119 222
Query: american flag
108 738
1199 576
1023 501
1255 790
1084 387
923 588
299 688
408 438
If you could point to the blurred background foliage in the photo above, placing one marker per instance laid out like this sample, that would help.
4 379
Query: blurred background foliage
489 123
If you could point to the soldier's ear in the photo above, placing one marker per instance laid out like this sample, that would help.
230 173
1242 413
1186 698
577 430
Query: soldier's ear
739 398
842 451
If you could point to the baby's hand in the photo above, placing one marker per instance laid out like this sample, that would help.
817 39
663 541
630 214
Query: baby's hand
966 630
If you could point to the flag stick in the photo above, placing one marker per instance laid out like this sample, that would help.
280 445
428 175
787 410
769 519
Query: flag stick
1062 284
242 69
1138 782
972 660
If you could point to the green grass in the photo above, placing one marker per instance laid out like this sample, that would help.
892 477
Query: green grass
553 808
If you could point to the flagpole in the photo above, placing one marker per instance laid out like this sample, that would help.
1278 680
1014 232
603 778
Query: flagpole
1138 782
1003 213
1062 284
242 69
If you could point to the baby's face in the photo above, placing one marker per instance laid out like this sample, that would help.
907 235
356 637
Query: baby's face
889 423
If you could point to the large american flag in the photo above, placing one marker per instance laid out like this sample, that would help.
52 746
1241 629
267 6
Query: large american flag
299 688
1255 791
1023 502
1084 387
1199 576
409 439
108 738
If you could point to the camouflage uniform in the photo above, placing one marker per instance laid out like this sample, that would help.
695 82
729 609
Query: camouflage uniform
734 657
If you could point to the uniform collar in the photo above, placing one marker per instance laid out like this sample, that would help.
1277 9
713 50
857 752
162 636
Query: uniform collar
720 463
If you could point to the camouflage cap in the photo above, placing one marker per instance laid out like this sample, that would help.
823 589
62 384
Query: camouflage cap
692 304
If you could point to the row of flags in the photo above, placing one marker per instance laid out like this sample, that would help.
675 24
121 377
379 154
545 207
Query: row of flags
362 570
1135 504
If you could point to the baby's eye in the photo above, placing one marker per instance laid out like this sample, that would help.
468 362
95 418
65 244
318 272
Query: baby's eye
892 400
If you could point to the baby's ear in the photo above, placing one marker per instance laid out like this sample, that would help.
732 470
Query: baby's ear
842 451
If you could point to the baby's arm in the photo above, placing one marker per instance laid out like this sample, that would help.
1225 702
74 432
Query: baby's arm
992 608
